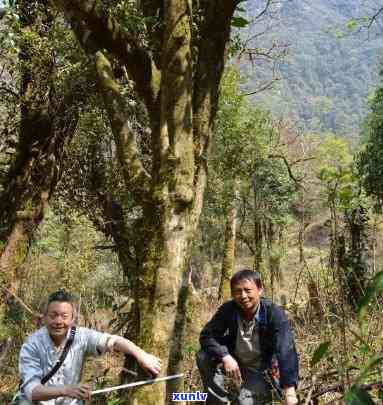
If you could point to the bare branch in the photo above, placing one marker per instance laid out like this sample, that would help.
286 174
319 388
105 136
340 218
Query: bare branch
297 182
266 86
375 16
302 160
274 52
268 3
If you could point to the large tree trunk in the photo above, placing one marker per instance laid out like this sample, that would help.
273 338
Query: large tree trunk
178 83
161 293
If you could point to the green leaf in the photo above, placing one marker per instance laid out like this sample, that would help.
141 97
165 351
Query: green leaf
375 288
319 353
371 364
353 24
358 396
239 22
345 195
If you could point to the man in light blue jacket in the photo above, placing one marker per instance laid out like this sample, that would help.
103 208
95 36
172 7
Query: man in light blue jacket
43 349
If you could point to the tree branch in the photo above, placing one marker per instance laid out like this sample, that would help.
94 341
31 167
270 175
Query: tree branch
266 86
108 34
8 292
135 175
375 16
261 13
288 167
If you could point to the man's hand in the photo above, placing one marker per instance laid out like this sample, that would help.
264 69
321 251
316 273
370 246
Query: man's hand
149 363
79 391
231 368
290 396
291 400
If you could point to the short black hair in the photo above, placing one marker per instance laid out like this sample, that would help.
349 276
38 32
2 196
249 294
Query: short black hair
61 295
246 274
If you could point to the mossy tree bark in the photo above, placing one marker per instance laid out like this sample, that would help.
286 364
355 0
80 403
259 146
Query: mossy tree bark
177 78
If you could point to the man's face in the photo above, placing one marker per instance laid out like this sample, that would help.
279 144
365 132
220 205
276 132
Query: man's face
59 318
247 295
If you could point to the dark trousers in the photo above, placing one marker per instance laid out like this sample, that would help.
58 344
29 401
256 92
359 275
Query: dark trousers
253 391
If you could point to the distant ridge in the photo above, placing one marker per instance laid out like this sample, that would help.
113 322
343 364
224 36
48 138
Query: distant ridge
329 70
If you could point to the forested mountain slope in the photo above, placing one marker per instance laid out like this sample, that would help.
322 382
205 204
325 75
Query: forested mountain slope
329 69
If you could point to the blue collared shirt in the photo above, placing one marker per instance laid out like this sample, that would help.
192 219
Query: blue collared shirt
38 355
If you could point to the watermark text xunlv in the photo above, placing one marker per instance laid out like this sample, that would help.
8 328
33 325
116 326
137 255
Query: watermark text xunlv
189 396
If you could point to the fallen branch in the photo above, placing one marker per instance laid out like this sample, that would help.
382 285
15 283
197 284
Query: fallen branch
36 315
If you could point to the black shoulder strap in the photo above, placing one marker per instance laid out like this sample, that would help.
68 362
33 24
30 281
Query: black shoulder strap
270 313
60 361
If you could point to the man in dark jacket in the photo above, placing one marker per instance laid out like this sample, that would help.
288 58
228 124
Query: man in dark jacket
242 340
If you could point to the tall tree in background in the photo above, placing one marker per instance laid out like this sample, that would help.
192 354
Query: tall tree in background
48 113
242 136
248 149
370 159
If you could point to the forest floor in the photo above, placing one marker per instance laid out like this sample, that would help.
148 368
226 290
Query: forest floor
307 290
